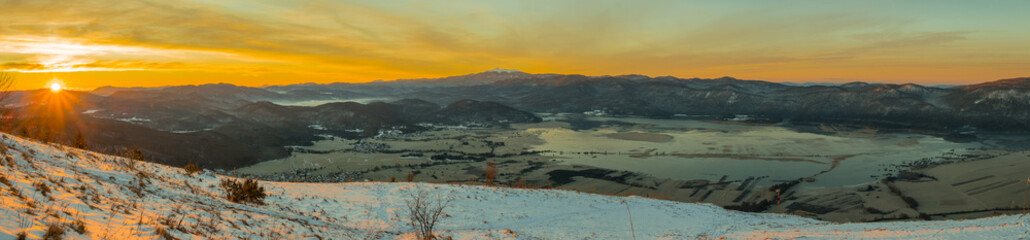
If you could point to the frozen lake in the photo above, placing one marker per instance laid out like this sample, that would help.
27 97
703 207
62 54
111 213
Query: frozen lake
313 103
687 149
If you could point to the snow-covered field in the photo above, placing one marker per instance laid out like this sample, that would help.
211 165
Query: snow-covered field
115 198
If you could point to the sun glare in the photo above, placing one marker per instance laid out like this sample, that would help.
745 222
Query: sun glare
55 87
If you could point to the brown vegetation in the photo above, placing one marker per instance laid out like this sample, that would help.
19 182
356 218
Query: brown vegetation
490 173
191 168
53 232
6 118
246 191
161 232
134 153
78 226
80 141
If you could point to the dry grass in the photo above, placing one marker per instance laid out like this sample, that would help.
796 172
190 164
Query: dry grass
161 232
42 188
78 226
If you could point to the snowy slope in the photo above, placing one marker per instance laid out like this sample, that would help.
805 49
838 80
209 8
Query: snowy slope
103 193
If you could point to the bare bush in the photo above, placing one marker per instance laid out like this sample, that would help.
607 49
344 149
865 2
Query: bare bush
424 211
246 191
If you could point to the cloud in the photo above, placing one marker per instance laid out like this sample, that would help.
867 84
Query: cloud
106 65
891 42
21 66
366 40
56 54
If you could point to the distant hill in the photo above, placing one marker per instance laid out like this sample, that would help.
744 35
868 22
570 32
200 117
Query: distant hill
999 106
226 126
256 119
472 111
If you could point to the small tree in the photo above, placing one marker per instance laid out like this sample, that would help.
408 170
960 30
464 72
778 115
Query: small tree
6 81
490 173
80 141
425 211
133 153
521 183
247 191
411 176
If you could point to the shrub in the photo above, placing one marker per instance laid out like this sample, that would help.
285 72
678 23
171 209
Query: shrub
910 201
133 153
78 227
246 191
759 206
521 183
874 210
22 236
191 168
53 232
5 181
42 188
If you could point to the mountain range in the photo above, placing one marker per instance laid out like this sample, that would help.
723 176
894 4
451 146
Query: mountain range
199 123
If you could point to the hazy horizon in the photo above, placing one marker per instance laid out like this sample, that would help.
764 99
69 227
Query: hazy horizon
826 82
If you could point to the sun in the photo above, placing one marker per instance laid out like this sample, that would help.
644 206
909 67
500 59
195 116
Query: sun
56 87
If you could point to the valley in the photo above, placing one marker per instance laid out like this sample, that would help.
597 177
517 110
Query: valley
54 191
834 176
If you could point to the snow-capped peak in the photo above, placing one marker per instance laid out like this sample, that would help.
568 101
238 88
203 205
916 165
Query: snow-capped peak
501 70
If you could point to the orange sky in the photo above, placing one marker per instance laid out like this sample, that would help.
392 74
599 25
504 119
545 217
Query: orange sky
86 44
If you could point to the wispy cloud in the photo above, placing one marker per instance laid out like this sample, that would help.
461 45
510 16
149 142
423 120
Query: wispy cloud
326 40
57 54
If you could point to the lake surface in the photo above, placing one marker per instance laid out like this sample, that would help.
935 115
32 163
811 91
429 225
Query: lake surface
313 103
705 150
